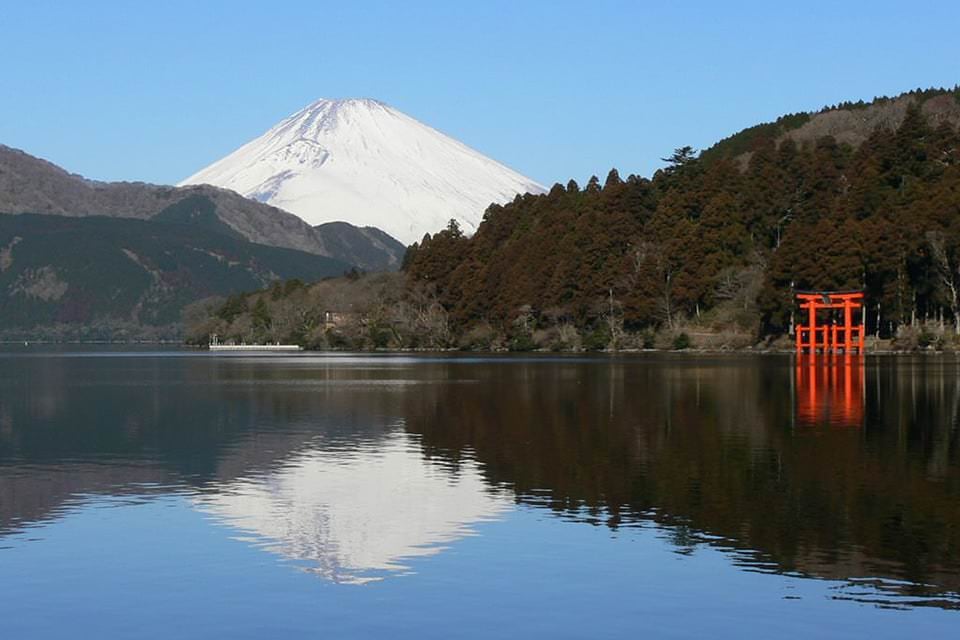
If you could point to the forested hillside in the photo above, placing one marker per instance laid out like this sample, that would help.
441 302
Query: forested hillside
116 278
705 253
720 241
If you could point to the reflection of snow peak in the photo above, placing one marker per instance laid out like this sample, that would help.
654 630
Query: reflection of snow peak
349 513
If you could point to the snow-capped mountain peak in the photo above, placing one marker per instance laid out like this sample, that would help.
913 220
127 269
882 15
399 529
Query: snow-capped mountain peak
364 162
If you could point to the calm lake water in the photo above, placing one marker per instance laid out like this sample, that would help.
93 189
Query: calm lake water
187 495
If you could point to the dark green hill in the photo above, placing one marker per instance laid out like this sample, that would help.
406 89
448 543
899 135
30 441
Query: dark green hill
848 122
367 247
860 196
110 271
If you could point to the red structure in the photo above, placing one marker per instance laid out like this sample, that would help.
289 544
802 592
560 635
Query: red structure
834 322
830 391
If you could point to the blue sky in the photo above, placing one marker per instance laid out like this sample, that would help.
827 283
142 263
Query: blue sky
154 91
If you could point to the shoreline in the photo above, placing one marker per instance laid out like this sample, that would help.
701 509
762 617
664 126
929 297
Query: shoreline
693 351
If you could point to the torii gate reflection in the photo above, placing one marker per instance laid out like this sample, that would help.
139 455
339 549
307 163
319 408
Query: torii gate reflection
829 390
829 377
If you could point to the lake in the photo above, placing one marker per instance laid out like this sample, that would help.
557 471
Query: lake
179 494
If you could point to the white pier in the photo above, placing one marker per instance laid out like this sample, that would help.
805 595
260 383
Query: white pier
216 346
255 347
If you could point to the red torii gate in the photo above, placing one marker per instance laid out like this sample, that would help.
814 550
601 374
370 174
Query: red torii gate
829 336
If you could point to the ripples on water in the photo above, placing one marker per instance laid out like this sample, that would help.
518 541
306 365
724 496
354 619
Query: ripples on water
355 469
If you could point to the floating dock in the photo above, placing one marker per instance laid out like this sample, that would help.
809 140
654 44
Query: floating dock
216 345
255 347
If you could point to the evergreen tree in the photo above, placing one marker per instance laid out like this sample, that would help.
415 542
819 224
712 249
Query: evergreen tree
815 215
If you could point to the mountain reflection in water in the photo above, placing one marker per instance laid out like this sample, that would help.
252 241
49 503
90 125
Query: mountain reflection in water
352 515
353 465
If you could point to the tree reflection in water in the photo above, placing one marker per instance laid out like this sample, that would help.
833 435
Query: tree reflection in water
851 485
846 470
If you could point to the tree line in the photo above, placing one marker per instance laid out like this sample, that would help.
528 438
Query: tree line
718 242
708 252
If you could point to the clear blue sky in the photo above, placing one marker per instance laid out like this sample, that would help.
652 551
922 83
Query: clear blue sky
156 90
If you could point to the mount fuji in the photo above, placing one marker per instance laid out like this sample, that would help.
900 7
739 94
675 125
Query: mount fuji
366 163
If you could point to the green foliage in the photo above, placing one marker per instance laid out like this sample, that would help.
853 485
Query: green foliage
597 340
233 307
86 271
709 241
753 137
680 158
382 337
648 339
477 338
708 232
198 211
261 316
409 256
373 311
927 339
338 341
283 289
522 342
367 247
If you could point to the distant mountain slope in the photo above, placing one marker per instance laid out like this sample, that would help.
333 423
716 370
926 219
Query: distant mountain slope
848 122
365 245
84 271
32 185
367 163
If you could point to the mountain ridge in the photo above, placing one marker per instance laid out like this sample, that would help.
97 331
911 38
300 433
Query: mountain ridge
847 122
33 185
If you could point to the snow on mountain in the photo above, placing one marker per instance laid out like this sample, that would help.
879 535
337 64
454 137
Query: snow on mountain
364 162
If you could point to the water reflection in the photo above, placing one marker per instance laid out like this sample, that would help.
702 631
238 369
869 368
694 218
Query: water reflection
705 448
830 390
351 467
352 515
